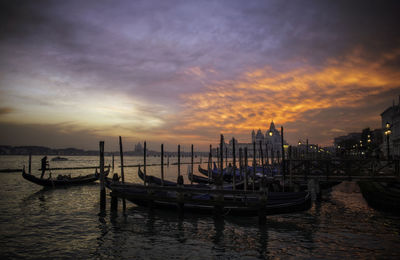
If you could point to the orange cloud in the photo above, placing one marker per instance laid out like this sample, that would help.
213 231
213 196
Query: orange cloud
250 102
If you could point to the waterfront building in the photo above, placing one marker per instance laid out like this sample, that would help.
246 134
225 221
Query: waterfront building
138 148
391 130
271 139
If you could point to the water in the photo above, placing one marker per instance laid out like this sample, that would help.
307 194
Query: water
65 223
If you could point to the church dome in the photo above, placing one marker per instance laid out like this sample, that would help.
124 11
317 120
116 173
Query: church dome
272 126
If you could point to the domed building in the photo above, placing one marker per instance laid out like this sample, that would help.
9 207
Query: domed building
271 141
273 138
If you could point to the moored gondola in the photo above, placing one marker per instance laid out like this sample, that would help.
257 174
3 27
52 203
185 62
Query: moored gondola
204 201
155 180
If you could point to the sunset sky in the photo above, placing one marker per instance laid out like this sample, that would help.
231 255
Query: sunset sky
73 73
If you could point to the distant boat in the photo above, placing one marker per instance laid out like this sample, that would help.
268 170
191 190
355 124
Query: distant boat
58 158
63 180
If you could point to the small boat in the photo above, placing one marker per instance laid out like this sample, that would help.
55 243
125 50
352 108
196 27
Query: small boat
382 195
204 201
227 173
215 174
157 181
199 179
63 180
58 158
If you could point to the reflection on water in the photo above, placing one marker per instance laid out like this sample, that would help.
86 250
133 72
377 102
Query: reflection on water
65 223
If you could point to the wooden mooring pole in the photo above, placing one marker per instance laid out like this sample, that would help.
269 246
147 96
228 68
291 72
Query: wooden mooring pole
113 164
290 167
307 148
221 145
218 160
219 206
144 163
234 163
180 183
262 201
30 164
226 156
209 165
102 183
162 164
246 165
191 166
121 155
179 160
283 159
254 164
262 158
241 163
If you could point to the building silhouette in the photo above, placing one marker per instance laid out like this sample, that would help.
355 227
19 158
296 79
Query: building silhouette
271 140
391 130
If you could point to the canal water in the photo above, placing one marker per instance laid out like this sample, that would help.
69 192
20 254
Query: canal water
65 223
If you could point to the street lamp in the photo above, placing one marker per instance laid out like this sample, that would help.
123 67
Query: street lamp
387 133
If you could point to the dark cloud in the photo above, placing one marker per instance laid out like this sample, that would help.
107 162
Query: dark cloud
159 52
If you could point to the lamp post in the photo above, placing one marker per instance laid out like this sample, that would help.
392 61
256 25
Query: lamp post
387 133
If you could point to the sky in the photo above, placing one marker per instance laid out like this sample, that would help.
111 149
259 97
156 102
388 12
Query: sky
73 73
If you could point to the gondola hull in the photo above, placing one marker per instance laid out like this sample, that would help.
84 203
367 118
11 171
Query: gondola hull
204 185
62 182
276 203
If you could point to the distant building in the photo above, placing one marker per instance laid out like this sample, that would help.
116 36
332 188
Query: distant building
138 148
347 141
271 141
391 118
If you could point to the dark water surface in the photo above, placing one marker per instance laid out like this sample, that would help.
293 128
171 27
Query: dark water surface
65 223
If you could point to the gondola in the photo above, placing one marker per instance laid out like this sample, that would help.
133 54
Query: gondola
202 201
203 180
199 179
227 174
58 158
382 195
155 180
63 180
215 174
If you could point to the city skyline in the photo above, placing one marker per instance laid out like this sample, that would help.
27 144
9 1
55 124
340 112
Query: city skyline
181 72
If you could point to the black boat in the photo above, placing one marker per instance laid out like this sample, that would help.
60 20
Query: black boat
382 196
204 185
155 180
215 174
63 180
204 201
199 179
58 158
